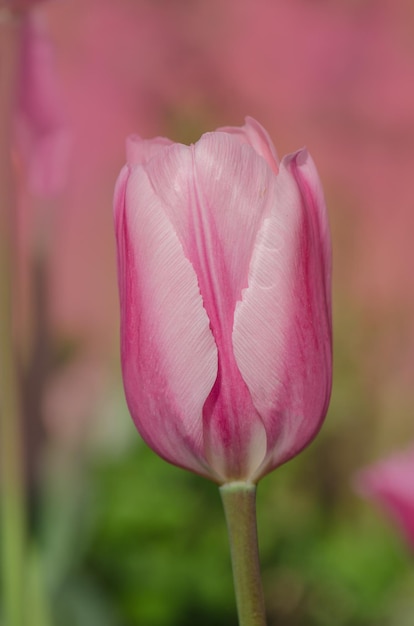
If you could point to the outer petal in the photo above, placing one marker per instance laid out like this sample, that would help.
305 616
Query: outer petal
169 357
258 138
214 194
139 151
282 328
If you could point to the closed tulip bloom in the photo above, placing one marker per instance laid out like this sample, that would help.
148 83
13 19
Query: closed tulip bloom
224 267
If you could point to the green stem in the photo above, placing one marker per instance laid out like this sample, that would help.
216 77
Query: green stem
239 501
12 521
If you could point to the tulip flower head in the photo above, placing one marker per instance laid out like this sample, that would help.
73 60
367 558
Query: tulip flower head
224 268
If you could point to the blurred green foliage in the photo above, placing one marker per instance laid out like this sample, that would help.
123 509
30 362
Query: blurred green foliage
129 540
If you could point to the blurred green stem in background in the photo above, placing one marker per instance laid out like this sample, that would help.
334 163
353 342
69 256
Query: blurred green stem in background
239 501
12 511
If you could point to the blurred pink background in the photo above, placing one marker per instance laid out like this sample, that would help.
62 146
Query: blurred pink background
334 75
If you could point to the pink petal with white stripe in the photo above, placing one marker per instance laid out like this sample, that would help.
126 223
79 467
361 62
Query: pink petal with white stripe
282 332
214 195
258 138
169 357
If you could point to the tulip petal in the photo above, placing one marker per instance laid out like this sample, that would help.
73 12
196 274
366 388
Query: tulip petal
139 151
214 194
282 332
258 138
309 185
169 357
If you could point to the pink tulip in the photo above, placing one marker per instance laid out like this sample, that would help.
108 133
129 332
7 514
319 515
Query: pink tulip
224 268
390 483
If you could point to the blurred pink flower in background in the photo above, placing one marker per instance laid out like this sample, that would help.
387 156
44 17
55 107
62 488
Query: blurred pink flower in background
224 267
42 133
390 483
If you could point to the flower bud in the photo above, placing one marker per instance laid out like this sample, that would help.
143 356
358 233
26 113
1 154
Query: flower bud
224 268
